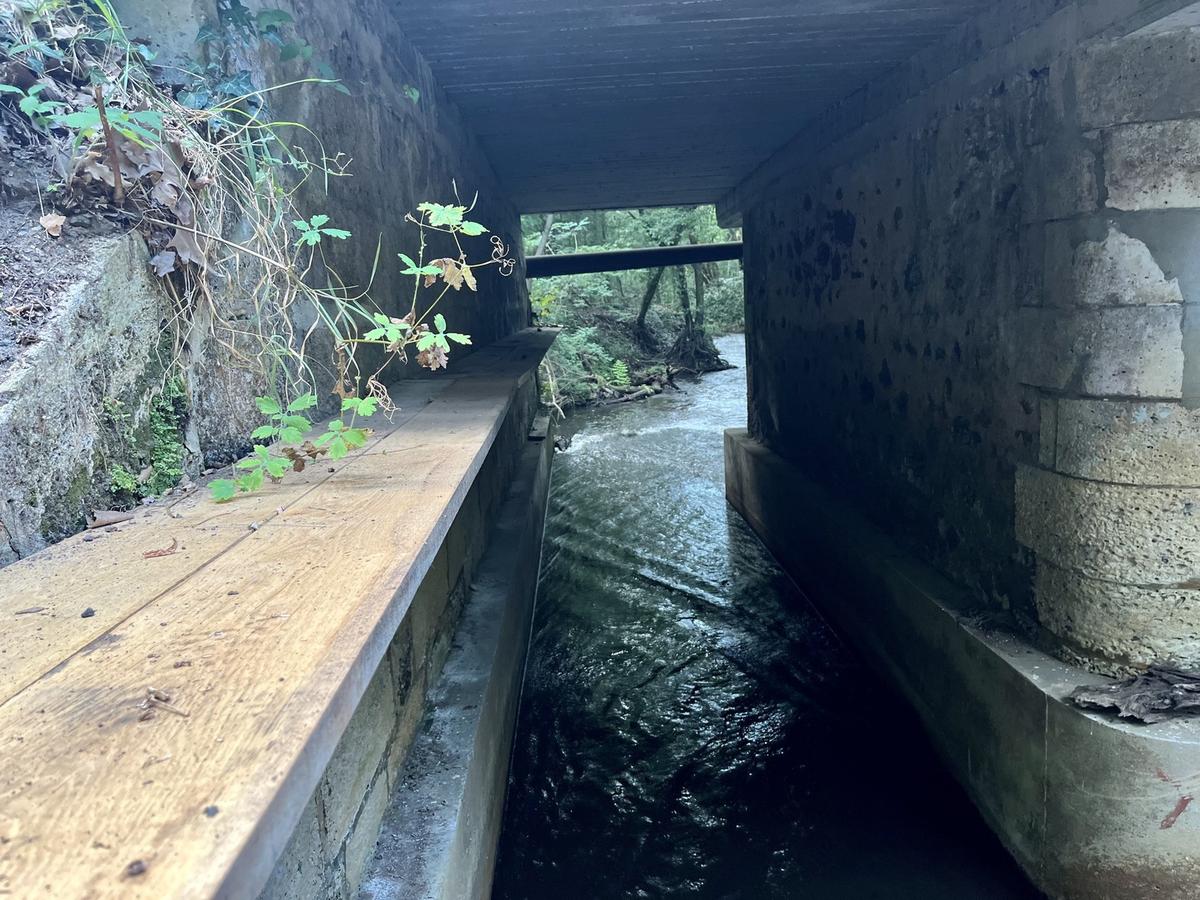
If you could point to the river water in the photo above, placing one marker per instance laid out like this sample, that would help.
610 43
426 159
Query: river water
690 727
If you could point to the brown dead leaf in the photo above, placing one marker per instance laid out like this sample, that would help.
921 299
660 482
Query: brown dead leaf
166 551
164 263
433 359
185 245
451 272
468 278
53 223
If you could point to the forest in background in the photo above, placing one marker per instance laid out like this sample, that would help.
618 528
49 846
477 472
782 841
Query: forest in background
626 335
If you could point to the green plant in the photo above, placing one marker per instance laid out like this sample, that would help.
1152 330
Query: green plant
39 111
214 183
122 481
286 427
619 373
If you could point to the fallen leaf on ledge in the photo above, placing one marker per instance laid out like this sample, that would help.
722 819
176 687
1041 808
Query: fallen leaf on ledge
166 551
53 223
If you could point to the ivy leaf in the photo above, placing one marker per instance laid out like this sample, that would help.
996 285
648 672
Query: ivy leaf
223 489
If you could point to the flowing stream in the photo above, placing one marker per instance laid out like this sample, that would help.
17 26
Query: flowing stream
690 727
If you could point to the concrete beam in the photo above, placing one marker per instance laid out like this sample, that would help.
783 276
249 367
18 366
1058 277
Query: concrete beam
623 260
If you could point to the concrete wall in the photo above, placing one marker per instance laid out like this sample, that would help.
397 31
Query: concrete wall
333 846
972 310
103 340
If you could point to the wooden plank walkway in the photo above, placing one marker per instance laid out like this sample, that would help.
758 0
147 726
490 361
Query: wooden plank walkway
263 628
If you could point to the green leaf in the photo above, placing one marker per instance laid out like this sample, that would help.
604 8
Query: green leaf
300 224
441 215
277 467
268 406
223 489
338 448
150 118
412 93
472 229
408 261
303 402
374 334
324 439
338 233
249 462
83 120
336 425
355 437
263 432
317 221
291 435
439 322
253 481
459 338
381 318
296 422
425 341
368 407
263 453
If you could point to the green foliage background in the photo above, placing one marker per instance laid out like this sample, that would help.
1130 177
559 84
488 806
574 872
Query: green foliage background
599 312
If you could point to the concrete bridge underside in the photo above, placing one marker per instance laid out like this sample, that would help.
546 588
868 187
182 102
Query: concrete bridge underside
972 323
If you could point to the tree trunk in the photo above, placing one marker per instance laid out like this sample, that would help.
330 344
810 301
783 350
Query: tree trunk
698 274
648 298
544 242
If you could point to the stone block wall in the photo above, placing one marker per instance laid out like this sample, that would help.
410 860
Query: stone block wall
974 311
334 843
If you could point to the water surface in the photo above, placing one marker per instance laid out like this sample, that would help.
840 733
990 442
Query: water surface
690 727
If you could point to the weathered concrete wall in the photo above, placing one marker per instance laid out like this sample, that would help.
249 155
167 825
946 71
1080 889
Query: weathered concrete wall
1092 807
973 313
334 845
102 342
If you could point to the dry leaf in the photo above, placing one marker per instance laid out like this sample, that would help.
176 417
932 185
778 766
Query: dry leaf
433 359
53 223
468 277
166 551
185 245
164 263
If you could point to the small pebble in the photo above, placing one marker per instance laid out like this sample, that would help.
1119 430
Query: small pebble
211 811
87 613
135 868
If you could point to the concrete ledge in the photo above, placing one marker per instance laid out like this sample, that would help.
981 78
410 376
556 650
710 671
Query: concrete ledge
1091 807
441 829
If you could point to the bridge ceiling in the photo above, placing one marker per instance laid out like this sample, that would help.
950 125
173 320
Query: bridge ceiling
585 104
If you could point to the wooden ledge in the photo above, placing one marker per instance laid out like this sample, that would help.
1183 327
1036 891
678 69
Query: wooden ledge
263 627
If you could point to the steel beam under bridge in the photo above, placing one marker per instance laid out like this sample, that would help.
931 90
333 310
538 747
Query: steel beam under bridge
622 260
